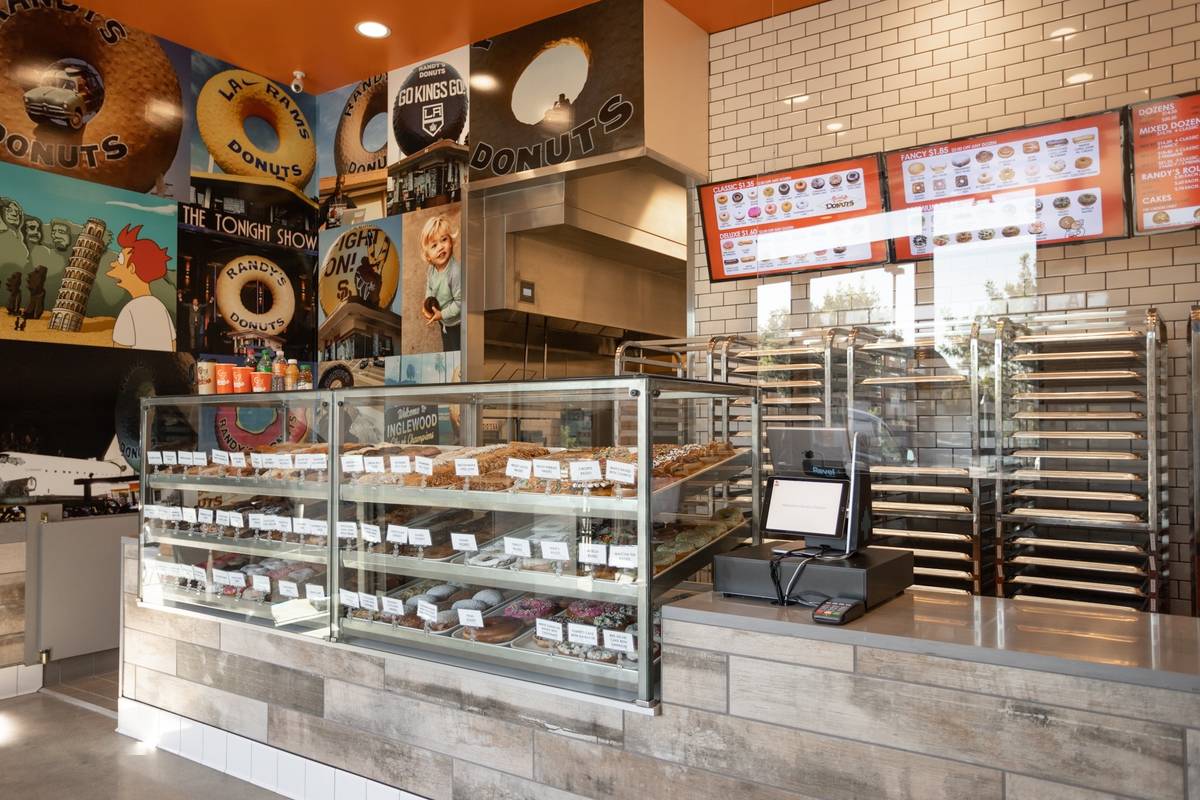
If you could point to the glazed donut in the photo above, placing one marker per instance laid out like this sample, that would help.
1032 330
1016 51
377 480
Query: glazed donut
367 100
224 103
247 269
134 135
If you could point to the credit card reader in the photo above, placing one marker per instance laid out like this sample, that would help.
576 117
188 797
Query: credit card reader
839 610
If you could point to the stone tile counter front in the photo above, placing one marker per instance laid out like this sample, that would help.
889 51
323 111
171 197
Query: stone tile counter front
926 697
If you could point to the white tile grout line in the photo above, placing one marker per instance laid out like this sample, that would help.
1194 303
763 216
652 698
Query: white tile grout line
129 707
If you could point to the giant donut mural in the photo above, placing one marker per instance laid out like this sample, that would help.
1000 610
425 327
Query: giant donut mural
239 274
224 104
248 427
85 96
350 156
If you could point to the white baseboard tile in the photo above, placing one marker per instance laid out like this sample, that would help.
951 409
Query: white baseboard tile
19 679
269 768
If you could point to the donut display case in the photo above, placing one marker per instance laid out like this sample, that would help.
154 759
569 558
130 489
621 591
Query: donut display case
1082 475
529 529
235 497
924 408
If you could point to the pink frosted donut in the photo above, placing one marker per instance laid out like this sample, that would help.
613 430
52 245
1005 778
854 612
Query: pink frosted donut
530 608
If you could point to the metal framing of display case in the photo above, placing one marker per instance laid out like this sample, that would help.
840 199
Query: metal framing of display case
1106 542
639 684
1194 427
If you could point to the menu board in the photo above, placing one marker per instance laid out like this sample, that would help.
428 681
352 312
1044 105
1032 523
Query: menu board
806 218
1074 169
1166 164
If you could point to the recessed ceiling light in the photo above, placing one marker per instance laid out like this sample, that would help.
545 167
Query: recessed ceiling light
484 82
834 126
1080 77
373 30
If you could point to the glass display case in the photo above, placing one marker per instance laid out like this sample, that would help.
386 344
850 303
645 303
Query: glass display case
527 529
235 498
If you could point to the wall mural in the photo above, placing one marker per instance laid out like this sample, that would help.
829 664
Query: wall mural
151 199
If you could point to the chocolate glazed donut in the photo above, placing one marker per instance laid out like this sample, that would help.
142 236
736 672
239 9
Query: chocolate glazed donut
367 100
134 135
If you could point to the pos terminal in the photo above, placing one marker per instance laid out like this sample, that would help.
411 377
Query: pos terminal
820 491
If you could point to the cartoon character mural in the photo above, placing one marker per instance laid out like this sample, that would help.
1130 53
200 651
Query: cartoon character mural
144 322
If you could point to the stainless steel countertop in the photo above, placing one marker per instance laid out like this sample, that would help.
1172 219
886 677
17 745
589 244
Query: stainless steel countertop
1157 650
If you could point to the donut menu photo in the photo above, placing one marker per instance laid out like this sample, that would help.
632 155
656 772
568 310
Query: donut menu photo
1165 135
1075 169
800 219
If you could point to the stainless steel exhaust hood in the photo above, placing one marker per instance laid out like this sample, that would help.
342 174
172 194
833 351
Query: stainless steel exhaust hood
605 246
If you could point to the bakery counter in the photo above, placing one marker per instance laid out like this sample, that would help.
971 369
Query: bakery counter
994 697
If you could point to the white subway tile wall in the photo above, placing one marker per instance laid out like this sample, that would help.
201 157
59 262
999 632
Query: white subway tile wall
900 73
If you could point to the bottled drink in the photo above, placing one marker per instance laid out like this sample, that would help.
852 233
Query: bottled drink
278 369
251 361
306 381
291 376
264 361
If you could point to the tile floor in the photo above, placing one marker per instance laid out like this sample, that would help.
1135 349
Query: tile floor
98 690
51 750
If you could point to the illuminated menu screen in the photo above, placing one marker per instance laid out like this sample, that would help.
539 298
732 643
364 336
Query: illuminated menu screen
799 219
1166 164
1060 182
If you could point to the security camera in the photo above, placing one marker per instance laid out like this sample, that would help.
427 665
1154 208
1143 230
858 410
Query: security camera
297 81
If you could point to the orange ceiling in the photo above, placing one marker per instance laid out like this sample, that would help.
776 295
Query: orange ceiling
274 37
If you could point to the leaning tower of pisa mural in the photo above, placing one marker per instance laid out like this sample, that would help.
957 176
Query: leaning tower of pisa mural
71 304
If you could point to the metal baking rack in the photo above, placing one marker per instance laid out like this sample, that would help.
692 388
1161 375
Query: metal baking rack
1081 474
923 408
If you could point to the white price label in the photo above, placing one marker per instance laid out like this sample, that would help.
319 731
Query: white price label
314 591
593 554
154 458
283 524
420 537
464 541
204 516
427 611
401 465
237 459
189 515
169 458
302 461
397 534
347 598
262 583
556 551
620 641
288 589
237 579
547 470
466 467
300 525
352 463
220 458
584 470
623 555
220 576
199 575
470 618
199 458
373 463
347 530
318 461
549 629
516 547
258 522
184 458
222 517
235 519
393 606
519 469
370 533
176 514
620 472
582 634
318 527
258 461
423 465
368 601
283 461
